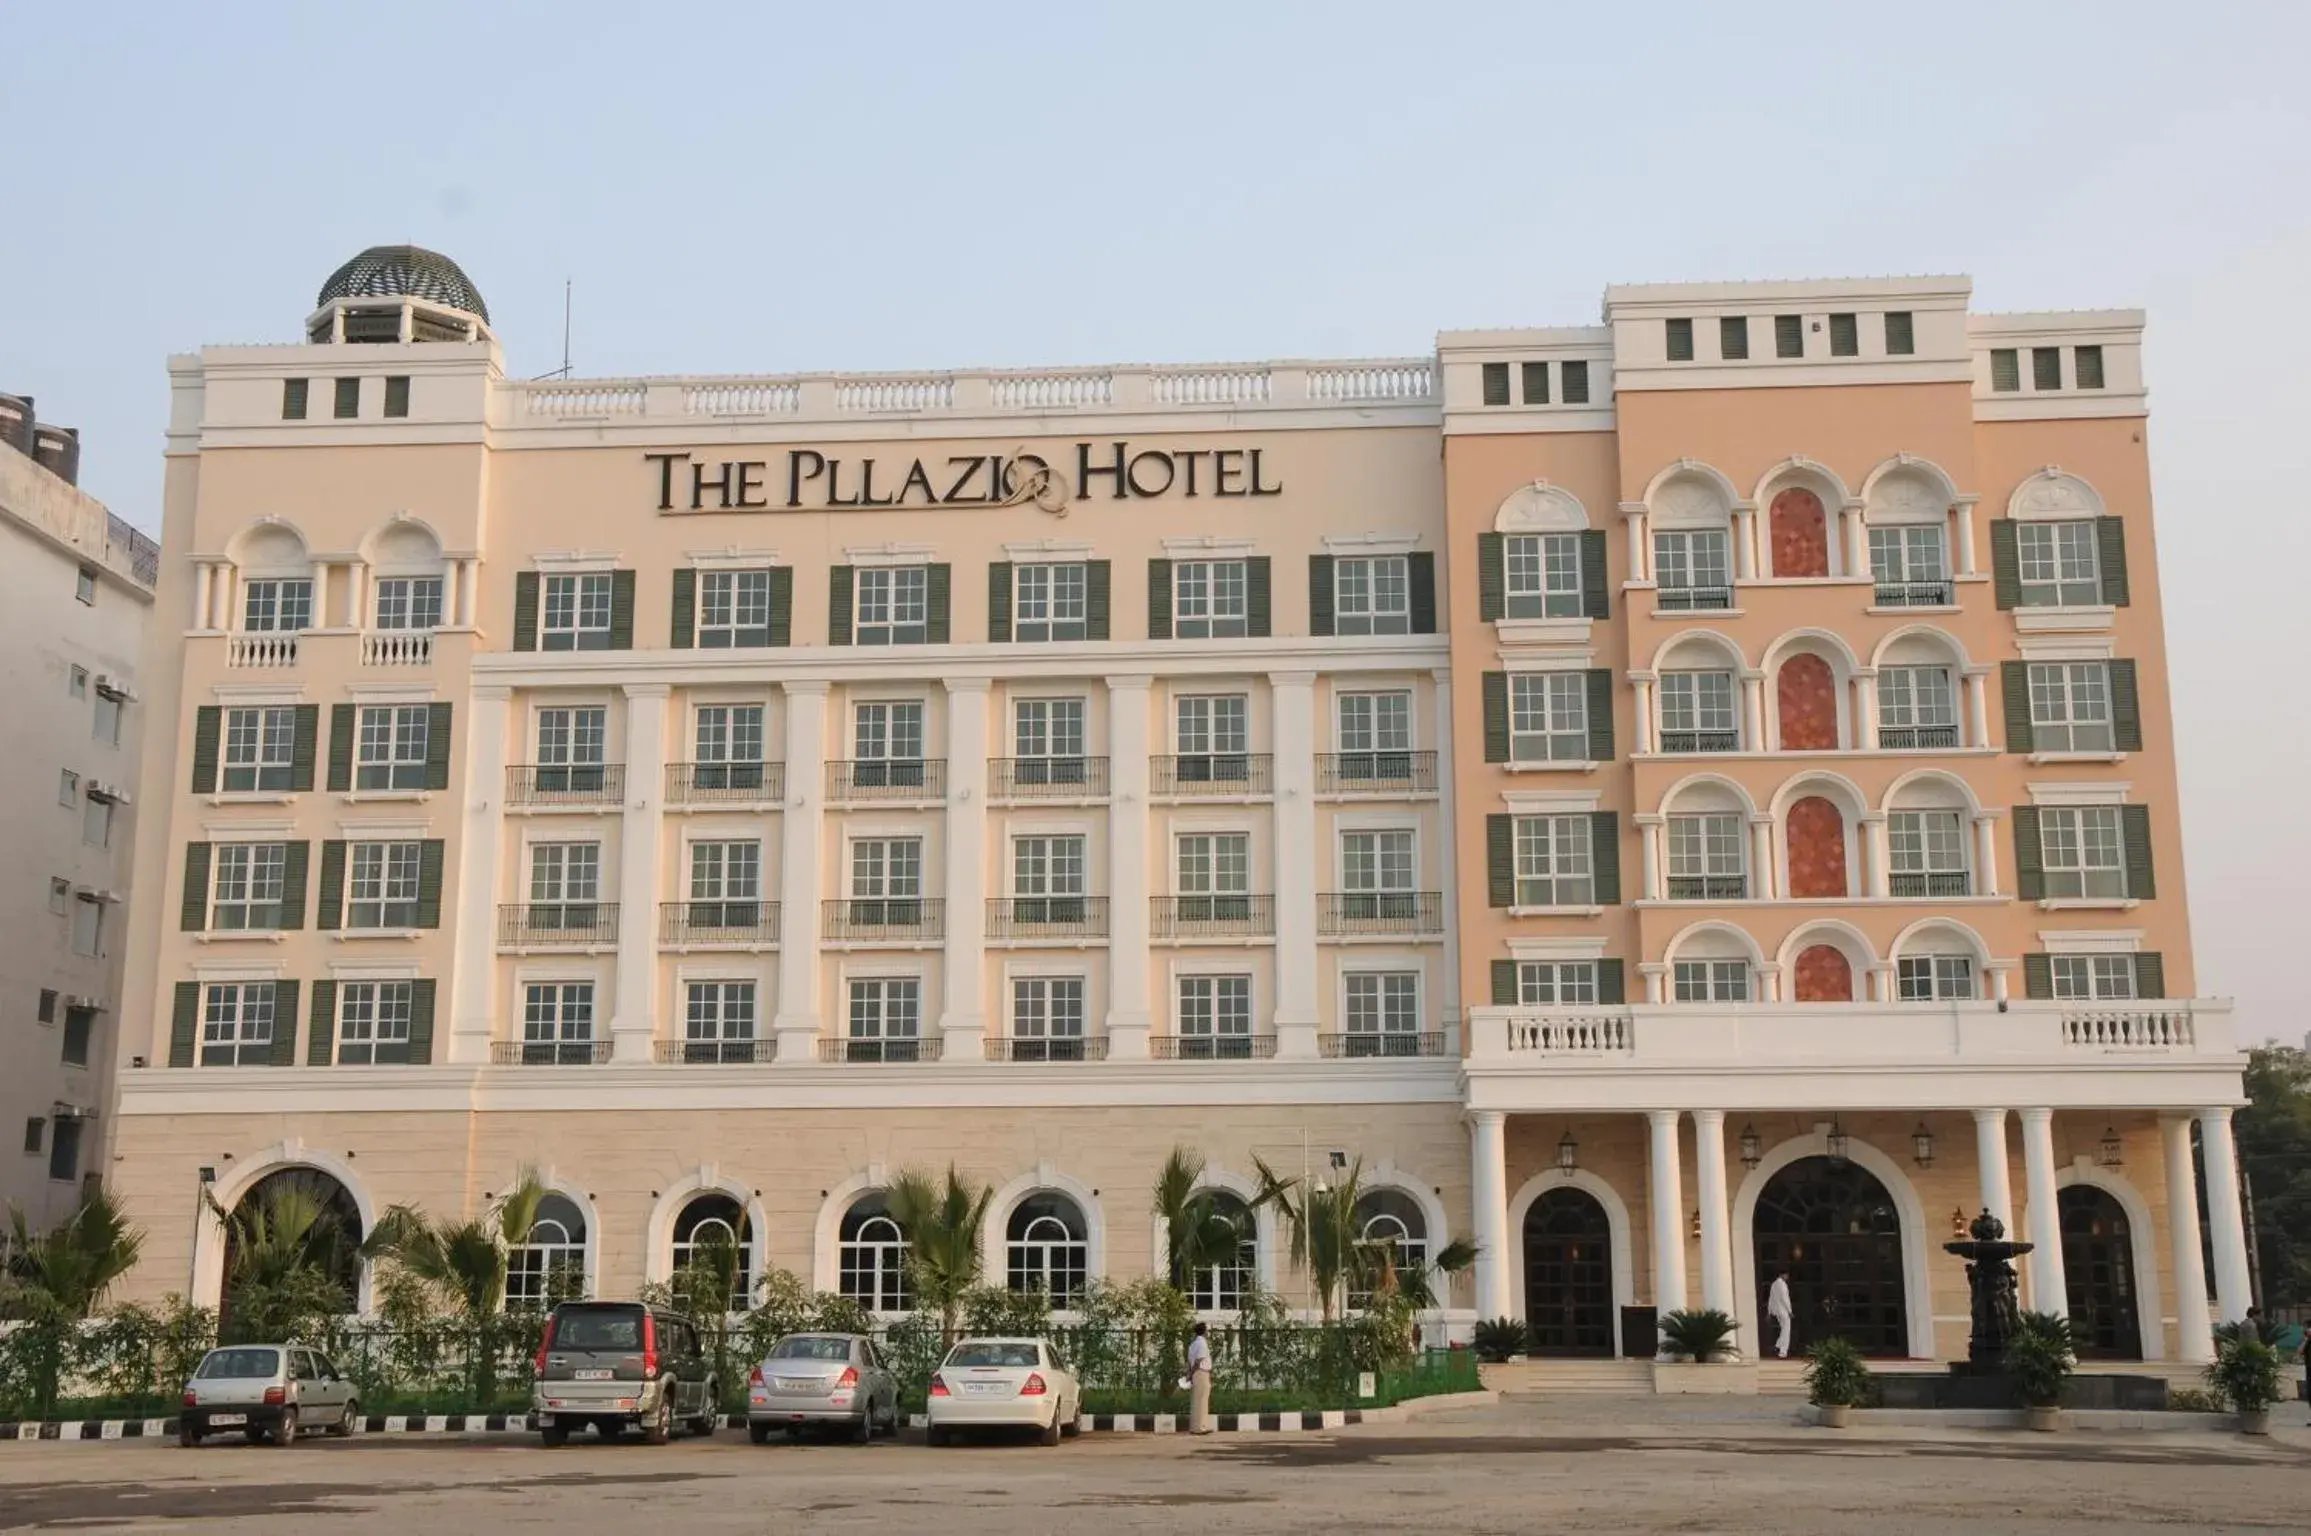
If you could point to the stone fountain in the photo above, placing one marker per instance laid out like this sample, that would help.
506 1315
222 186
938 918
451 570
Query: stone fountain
1995 1289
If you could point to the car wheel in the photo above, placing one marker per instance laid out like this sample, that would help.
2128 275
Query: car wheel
1049 1433
554 1436
705 1423
187 1435
891 1422
758 1433
285 1432
660 1429
343 1428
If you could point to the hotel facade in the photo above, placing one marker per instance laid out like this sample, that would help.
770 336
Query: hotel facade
1668 800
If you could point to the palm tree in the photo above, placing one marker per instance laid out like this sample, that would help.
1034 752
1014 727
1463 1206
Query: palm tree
286 1251
1199 1234
942 1224
466 1260
1321 1232
58 1278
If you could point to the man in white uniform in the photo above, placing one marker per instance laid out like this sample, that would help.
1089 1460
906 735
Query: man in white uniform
1199 1383
1777 1307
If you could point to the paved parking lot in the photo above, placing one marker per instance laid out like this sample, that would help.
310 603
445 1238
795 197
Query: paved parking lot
1585 1465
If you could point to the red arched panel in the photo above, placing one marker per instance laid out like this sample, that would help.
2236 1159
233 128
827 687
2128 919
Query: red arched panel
1806 695
1817 849
1801 534
1823 974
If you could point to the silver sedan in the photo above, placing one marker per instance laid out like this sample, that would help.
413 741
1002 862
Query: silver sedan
818 1379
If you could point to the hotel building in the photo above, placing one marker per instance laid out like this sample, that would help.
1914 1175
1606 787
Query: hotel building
722 793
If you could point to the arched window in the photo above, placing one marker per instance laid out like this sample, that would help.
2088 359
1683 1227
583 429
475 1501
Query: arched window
872 1254
1939 963
1221 1287
1047 1248
1926 840
712 1223
1392 1219
1712 966
550 1266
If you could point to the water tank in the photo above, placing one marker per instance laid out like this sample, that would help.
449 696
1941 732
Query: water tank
16 422
57 450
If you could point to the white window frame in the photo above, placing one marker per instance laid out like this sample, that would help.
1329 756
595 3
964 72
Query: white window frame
2079 832
1211 599
373 1021
1715 979
1556 983
406 603
890 604
232 1013
389 748
733 609
1913 849
1917 707
1541 576
240 878
276 605
1554 860
1697 850
574 609
261 742
1682 557
1935 978
2093 976
1557 703
383 883
1707 726
2064 698
2067 571
1371 595
1050 600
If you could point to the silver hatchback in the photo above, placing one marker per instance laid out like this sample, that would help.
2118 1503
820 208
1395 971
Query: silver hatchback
266 1390
822 1378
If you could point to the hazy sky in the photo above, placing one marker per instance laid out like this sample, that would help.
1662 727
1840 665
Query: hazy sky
767 188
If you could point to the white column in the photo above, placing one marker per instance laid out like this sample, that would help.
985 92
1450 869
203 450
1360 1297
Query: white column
470 589
1866 711
2194 1338
1986 854
1129 1015
1718 1291
963 1024
1652 830
1857 543
1292 697
2218 1155
801 837
204 581
1977 709
2001 977
2047 1293
481 851
1762 884
1644 684
1990 1161
1963 516
1656 975
1745 567
1752 711
1666 1199
1489 1199
451 599
1640 548
1877 855
640 837
357 595
1448 1001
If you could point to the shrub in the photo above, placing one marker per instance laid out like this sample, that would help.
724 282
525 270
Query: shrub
1696 1335
2246 1374
2040 1357
1835 1376
991 1309
1497 1338
2191 1400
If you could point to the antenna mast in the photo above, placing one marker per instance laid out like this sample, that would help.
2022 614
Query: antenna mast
563 372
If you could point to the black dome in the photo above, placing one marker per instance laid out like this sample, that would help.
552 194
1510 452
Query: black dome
385 271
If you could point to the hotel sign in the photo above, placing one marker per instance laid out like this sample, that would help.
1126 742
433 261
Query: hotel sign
812 479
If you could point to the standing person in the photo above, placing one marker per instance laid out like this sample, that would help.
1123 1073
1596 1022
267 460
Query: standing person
1777 1307
1199 1383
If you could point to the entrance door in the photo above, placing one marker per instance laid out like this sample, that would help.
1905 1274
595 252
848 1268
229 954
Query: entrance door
1834 1229
1569 1274
2098 1272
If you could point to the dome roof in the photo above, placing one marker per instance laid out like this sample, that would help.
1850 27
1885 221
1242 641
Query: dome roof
385 271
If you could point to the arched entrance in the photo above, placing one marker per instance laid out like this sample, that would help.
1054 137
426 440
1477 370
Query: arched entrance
1569 1274
2098 1271
290 1223
1836 1231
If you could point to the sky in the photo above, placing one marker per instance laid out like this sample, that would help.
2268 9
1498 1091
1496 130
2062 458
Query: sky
768 188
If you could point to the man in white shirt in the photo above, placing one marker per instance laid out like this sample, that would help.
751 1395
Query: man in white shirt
1199 1383
1778 1308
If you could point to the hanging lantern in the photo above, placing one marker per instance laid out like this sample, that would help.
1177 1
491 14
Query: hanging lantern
2112 1153
1957 1221
1838 1142
1697 1221
1922 1146
1752 1151
1568 1152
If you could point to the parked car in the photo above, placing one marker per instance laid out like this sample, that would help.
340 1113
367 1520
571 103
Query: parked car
997 1383
621 1365
280 1390
818 1379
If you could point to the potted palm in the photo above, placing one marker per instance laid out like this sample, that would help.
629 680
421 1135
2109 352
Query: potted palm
1499 1340
2246 1373
2040 1358
1836 1380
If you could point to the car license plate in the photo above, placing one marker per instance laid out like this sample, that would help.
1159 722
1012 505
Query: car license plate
795 1383
228 1418
986 1388
592 1375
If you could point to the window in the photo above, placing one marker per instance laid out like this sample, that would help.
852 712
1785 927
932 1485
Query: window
1733 337
1917 707
1789 336
250 881
1553 861
1048 737
1220 1287
1690 569
889 745
1215 1018
381 885
260 747
2093 978
1575 374
729 747
1496 383
1210 598
1934 978
293 393
550 1264
397 394
886 1018
1383 1013
105 727
2086 364
2080 851
557 1023
892 606
2070 706
575 615
59 894
1047 879
707 1224
1845 336
1375 736
1047 1018
1542 576
391 749
1050 602
1214 735
68 788
872 1260
1680 340
47 1005
1906 562
79 1033
725 884
1535 384
1549 717
733 609
88 926
1215 874
64 1148
2058 563
1711 981
77 683
887 881
1389 1220
1928 851
96 822
1699 712
84 586
565 885
718 1021
1556 983
1372 595
1901 337
1047 1249
2046 367
1705 857
1376 875
373 1022
35 1132
408 602
2005 370
277 606
570 746
348 398
237 1024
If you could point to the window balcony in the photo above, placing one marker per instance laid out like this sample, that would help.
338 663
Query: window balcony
1047 778
713 924
1211 1047
1342 914
887 778
1930 883
558 925
1692 599
1046 1048
1376 773
1358 1044
1701 741
397 648
1047 917
261 648
1912 738
884 919
725 783
881 1048
1212 917
549 1053
1709 887
1912 594
578 784
1572 1032
1212 775
715 1053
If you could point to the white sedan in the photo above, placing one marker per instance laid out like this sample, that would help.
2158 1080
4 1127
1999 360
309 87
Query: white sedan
1003 1383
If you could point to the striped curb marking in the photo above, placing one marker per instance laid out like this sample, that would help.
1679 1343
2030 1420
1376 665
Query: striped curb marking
522 1424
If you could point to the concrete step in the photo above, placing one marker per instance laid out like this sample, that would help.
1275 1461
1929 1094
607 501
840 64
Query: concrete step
1557 1377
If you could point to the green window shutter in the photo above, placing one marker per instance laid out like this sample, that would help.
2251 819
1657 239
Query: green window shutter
2014 688
321 1028
1320 594
195 916
1098 598
1596 599
2134 833
285 995
341 719
437 726
1612 985
2110 553
421 1022
304 741
184 1023
1600 714
2125 708
1258 598
526 610
2029 860
782 605
1492 578
2038 977
838 605
1420 568
1496 717
1605 857
208 726
1504 983
682 633
938 603
2150 974
999 602
329 906
429 883
1159 599
621 610
296 863
2005 563
1500 860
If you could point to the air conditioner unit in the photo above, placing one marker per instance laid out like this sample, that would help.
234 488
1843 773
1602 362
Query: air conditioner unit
105 683
113 792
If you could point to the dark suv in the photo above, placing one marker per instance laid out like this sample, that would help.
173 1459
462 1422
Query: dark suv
619 1365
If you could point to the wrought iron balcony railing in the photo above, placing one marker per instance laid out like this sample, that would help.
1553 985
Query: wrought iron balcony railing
725 783
1902 738
884 919
887 778
1046 778
882 1048
1700 741
1341 913
1211 1047
557 924
718 922
549 1053
720 1052
1046 1048
1912 594
565 783
1357 1044
1376 773
1692 599
1211 917
1709 887
1217 775
1931 882
1047 917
